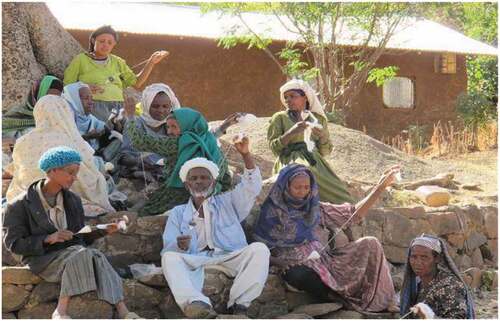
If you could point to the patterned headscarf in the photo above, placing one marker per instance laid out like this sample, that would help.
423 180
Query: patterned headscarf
428 242
409 291
149 94
285 221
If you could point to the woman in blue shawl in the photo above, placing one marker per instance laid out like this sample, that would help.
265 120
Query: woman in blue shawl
88 125
432 285
286 221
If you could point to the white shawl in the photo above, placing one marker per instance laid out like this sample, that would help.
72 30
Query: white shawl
149 94
55 126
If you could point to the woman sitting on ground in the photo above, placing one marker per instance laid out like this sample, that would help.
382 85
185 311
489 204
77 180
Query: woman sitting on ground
291 222
432 285
19 120
79 97
41 226
188 137
158 100
94 131
55 126
287 135
108 75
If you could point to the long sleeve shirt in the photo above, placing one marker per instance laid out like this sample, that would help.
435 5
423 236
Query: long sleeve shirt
227 210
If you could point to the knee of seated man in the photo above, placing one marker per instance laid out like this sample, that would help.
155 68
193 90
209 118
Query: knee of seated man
260 249
169 257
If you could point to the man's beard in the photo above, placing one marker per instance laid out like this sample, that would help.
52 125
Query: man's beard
206 193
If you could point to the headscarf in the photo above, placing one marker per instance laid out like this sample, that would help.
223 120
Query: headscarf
409 291
314 103
57 157
285 221
195 141
428 242
21 117
99 31
84 122
55 126
149 94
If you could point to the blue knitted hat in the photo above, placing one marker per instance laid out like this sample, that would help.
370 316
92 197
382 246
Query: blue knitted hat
58 157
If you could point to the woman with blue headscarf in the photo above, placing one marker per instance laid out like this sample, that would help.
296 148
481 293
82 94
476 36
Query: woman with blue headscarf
79 97
94 131
291 223
432 286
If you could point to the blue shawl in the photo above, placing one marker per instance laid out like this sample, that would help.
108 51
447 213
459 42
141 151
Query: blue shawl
285 221
85 123
409 291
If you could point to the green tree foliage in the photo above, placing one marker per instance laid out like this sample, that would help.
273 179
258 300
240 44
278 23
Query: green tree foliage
478 20
475 109
320 52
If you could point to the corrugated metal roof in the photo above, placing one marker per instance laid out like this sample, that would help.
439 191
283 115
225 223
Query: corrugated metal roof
170 19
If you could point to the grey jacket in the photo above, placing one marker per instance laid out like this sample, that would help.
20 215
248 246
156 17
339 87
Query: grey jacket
26 225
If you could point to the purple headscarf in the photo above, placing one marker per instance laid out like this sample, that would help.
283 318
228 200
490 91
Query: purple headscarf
285 221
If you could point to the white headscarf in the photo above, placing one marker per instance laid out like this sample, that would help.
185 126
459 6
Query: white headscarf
149 94
55 126
312 97
198 162
428 242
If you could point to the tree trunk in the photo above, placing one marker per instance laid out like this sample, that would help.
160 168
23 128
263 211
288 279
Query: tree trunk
33 44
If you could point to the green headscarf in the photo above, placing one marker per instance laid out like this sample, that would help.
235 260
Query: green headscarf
21 117
195 141
45 85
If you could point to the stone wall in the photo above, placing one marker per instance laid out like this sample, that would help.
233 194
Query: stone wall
471 232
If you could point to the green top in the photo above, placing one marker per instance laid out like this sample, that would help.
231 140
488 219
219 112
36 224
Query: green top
281 122
114 75
331 188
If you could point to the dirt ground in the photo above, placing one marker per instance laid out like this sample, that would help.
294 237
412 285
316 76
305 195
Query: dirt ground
487 305
477 167
357 157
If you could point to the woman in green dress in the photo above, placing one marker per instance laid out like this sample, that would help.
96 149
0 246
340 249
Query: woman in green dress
300 135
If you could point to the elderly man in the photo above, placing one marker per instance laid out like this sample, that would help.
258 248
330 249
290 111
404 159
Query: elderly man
207 231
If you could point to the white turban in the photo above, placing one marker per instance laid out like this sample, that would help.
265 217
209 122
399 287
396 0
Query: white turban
149 94
312 98
198 162
428 242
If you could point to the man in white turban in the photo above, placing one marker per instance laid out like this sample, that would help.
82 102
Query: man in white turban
207 231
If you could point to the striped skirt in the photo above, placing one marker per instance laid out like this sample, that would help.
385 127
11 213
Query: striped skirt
81 270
